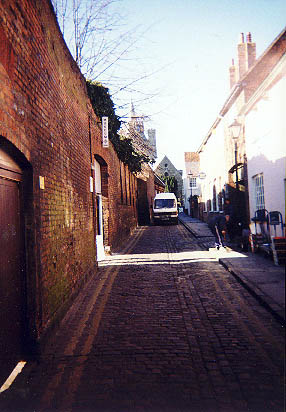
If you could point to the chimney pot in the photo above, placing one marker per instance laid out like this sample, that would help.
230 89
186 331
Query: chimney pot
248 38
241 37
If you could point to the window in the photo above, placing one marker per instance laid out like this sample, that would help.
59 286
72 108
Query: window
165 203
193 182
259 191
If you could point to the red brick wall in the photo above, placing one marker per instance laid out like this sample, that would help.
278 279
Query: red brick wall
119 208
150 192
46 115
145 195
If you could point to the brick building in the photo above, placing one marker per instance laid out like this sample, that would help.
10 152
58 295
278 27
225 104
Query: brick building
159 185
146 180
61 192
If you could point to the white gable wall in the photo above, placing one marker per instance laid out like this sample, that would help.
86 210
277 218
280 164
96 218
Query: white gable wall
265 131
212 163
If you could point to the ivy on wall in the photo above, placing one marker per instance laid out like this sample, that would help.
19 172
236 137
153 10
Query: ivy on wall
103 106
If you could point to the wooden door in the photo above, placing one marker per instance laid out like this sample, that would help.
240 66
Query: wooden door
12 275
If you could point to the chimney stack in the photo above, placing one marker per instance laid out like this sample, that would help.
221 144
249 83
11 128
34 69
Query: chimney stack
232 74
246 54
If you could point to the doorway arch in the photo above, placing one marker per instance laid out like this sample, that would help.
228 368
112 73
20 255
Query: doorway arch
101 205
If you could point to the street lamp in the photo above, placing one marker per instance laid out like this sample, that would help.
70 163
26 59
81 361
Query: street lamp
235 129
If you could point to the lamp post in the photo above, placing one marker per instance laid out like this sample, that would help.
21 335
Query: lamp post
235 129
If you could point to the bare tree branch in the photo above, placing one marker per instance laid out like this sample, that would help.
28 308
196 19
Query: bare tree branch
96 35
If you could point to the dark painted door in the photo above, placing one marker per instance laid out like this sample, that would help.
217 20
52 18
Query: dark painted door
11 274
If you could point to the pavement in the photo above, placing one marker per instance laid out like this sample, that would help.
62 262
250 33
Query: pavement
256 272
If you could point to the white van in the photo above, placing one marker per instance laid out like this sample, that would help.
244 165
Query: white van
165 208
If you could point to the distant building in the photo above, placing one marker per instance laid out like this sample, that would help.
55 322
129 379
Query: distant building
166 168
134 130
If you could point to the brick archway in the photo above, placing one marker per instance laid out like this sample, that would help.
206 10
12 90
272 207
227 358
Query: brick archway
103 175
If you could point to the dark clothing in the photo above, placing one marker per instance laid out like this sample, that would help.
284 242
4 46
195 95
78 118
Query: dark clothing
218 221
217 225
228 209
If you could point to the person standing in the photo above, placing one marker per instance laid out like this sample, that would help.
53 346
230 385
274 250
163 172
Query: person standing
228 211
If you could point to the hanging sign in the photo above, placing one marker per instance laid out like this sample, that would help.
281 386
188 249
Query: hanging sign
105 141
202 175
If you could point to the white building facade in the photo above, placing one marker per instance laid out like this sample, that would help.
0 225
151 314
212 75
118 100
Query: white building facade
265 131
249 170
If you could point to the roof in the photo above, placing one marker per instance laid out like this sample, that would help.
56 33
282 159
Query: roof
252 79
165 196
192 157
158 180
162 162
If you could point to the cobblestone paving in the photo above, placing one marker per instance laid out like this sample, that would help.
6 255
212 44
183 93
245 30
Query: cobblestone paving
162 327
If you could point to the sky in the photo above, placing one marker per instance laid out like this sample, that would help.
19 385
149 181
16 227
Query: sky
188 45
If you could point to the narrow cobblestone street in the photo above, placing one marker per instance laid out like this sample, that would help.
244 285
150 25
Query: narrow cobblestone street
162 327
